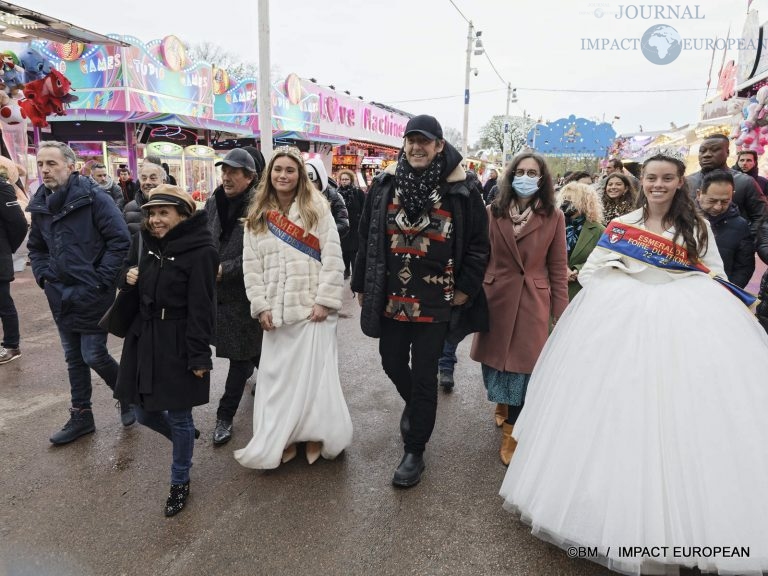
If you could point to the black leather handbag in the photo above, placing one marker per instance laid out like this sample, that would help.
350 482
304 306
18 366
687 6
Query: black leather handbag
118 318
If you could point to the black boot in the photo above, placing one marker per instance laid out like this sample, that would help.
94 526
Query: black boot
80 423
127 415
409 471
177 499
223 432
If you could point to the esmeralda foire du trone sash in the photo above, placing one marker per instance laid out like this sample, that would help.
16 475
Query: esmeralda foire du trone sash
655 250
293 235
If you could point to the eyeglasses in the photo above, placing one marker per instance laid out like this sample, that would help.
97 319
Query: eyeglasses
529 173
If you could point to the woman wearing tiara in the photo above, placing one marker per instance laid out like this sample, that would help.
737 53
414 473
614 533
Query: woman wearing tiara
644 425
293 275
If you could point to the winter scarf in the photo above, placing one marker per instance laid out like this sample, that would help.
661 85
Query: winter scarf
228 209
418 192
519 220
573 228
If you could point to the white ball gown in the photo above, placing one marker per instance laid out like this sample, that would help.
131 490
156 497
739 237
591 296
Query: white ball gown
646 423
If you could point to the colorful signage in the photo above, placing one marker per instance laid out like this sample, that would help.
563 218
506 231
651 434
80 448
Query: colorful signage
96 75
153 77
238 105
303 106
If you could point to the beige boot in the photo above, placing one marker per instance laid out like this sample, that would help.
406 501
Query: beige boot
501 414
508 444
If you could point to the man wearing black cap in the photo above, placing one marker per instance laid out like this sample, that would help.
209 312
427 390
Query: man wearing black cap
419 272
238 336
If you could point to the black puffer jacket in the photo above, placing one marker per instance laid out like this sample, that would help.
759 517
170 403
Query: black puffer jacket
471 245
338 209
77 244
735 244
132 212
172 334
238 336
13 229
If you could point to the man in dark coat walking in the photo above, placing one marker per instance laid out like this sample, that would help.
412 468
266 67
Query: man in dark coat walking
354 199
77 245
238 336
713 155
13 229
424 249
746 163
151 175
732 235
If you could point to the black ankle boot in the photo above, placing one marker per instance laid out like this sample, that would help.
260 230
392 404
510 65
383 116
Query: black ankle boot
80 423
409 471
177 499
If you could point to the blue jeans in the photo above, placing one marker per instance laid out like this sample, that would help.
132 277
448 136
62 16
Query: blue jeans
448 359
9 317
179 428
83 352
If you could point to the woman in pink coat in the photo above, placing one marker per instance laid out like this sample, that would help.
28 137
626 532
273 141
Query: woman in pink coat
526 284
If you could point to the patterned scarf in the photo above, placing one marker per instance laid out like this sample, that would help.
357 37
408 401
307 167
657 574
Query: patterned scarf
573 228
519 220
418 192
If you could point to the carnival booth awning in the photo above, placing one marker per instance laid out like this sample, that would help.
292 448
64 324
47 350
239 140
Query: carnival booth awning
19 24
152 118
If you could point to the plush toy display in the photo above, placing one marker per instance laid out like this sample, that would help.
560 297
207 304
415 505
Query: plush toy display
46 96
35 66
752 132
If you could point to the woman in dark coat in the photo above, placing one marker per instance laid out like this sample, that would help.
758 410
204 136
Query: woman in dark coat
355 200
13 229
164 370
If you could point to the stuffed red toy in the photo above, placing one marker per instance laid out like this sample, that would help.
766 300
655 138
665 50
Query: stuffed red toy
46 96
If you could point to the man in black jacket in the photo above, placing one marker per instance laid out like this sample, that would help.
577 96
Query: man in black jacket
13 229
418 274
77 245
732 235
713 155
746 163
238 336
151 175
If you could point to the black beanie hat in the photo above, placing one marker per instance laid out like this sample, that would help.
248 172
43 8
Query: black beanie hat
258 158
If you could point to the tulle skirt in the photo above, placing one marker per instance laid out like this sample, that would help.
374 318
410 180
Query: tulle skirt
646 425
298 397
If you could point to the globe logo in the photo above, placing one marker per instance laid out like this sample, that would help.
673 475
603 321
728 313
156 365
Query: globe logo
661 44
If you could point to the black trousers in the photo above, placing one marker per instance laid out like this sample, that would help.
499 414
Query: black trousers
409 354
239 372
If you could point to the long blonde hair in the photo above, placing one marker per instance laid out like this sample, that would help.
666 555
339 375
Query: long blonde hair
584 198
265 198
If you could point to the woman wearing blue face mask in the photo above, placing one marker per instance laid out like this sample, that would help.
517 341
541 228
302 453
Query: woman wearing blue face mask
526 284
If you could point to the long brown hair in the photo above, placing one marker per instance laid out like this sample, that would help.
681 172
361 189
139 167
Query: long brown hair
507 193
682 213
265 198
629 188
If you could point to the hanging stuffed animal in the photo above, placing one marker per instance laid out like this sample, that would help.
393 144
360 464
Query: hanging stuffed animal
46 96
35 66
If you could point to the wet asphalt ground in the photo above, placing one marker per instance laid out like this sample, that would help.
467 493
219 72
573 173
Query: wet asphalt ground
95 507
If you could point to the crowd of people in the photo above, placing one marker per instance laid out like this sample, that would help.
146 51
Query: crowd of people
607 317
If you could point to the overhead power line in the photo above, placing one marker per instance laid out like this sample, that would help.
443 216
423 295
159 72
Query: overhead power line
459 11
661 90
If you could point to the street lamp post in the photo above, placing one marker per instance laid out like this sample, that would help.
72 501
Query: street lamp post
472 36
265 99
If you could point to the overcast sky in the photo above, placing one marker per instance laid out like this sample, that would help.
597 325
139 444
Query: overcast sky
411 53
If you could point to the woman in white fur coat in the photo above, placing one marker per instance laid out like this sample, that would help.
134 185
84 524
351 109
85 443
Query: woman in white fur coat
294 280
